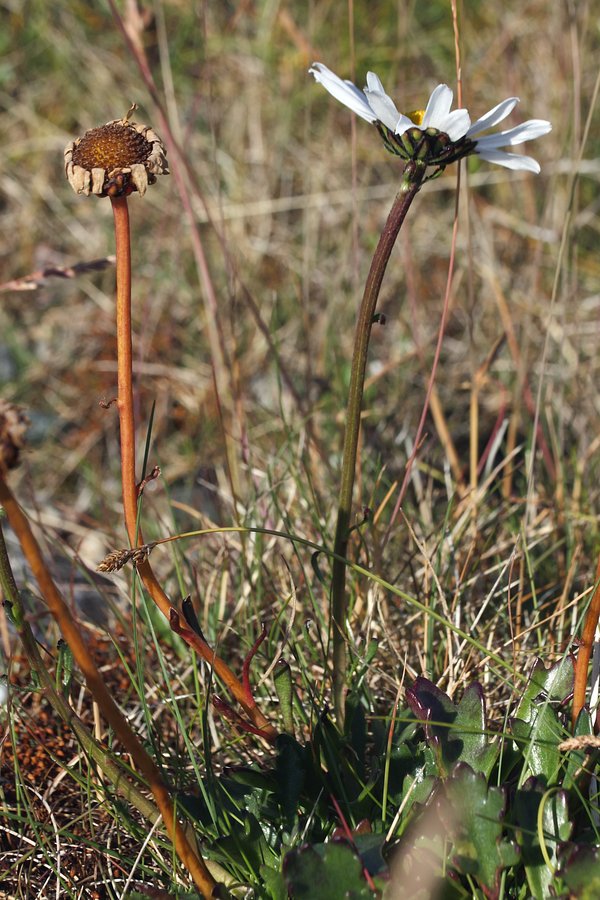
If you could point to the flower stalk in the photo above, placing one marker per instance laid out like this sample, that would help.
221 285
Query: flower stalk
586 644
125 365
128 453
435 136
412 180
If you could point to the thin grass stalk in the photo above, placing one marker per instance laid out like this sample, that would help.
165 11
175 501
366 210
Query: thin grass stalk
113 715
435 404
432 374
369 574
100 756
443 431
474 448
411 184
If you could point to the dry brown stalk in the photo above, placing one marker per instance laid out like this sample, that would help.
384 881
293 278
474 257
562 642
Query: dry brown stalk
115 718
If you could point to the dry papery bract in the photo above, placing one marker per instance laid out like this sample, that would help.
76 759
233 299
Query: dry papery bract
115 159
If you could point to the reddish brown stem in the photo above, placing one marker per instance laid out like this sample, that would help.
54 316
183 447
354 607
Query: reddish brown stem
224 709
585 649
71 633
246 700
127 430
125 366
248 661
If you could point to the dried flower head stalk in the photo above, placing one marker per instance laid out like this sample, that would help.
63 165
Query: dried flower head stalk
13 426
115 159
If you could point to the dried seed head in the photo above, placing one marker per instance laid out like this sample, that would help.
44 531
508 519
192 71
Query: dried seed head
116 559
115 159
13 425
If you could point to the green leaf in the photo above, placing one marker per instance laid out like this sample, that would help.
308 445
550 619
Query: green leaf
535 808
370 849
575 758
283 685
356 732
473 816
555 683
325 872
470 728
538 739
421 779
246 843
314 561
437 713
291 774
274 882
454 733
581 873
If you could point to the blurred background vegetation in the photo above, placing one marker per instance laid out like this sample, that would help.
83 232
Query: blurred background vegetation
291 197
300 204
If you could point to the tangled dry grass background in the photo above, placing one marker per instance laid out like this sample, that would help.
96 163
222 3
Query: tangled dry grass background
289 198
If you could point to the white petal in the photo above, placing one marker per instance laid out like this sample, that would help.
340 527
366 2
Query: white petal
438 106
374 83
382 105
403 124
509 160
455 124
528 131
344 91
495 115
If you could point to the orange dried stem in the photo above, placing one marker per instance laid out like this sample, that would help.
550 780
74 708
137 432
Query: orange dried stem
125 366
585 649
70 631
246 701
127 430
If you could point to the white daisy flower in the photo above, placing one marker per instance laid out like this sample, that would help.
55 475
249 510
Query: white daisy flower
436 135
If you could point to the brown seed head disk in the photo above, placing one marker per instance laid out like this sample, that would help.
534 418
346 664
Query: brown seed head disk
110 147
115 159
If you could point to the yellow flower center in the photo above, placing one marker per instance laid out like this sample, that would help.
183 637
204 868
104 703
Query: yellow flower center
416 116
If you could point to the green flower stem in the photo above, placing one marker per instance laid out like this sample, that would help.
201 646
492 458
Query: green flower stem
411 183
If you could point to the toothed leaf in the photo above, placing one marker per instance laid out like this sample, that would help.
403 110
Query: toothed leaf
473 816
